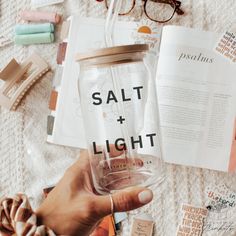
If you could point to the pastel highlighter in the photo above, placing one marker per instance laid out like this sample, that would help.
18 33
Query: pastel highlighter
40 16
27 39
34 28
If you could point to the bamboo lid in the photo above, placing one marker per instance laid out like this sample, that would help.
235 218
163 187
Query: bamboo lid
111 51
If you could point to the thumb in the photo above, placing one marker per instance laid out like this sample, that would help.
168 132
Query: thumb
124 200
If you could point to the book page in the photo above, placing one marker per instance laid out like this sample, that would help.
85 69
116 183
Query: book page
196 92
68 126
87 34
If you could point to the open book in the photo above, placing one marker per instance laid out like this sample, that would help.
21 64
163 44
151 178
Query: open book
196 96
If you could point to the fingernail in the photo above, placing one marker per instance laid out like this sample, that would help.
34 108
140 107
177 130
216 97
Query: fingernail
145 196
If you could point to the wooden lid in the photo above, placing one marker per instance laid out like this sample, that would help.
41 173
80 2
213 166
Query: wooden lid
111 51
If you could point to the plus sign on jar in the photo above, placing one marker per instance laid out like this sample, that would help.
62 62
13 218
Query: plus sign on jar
120 114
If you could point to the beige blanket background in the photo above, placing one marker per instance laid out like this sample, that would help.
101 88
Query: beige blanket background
28 163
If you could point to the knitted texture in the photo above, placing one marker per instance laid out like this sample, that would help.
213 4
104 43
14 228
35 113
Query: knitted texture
28 163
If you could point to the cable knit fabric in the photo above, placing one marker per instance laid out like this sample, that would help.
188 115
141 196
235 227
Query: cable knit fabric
17 217
28 163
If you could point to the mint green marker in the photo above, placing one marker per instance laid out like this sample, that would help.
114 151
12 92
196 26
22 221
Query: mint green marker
28 39
34 28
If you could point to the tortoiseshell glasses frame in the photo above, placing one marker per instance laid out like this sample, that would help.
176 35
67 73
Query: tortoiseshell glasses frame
175 5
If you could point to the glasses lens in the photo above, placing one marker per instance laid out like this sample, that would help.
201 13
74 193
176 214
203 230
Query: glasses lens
160 10
126 6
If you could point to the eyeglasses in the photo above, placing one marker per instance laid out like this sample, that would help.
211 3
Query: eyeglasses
160 11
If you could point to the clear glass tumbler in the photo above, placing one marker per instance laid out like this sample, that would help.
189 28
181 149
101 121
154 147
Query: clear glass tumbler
121 119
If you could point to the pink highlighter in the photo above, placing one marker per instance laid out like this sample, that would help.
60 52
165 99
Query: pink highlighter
39 16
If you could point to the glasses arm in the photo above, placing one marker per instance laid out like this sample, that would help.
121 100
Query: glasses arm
179 11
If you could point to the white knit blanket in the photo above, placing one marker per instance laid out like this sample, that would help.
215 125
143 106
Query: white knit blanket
28 163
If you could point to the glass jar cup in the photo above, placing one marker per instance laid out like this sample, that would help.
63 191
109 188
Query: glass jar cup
121 119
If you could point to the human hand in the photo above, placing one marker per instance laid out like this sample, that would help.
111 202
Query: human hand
74 208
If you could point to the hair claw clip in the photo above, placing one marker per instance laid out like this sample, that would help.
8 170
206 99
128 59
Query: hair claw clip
19 78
